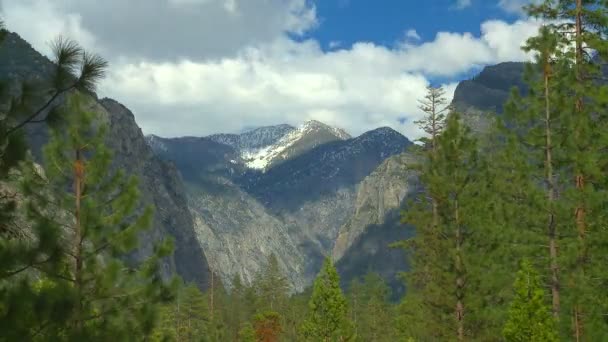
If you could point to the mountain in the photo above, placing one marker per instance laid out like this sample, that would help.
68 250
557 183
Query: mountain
160 182
324 169
483 96
295 142
293 207
198 157
363 240
253 139
489 90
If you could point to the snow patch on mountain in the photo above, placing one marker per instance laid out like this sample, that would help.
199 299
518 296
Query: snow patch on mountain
261 158
254 139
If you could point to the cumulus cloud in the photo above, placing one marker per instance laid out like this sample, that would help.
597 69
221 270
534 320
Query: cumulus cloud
171 29
260 76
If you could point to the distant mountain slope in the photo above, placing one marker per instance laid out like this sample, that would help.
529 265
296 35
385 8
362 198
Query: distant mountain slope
489 90
325 169
484 96
198 157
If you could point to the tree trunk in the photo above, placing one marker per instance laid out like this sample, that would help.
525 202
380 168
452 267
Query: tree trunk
77 244
212 295
459 275
552 229
580 178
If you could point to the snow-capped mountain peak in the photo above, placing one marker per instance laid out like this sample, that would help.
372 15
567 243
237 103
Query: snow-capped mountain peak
306 137
253 139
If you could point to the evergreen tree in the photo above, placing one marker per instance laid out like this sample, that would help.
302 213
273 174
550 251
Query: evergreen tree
24 102
529 317
272 286
186 319
328 316
434 105
528 153
447 275
370 309
581 26
238 313
247 333
27 303
296 312
97 211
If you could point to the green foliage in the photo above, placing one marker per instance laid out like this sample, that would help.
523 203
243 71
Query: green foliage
370 310
101 297
247 333
447 282
186 319
529 317
272 286
328 316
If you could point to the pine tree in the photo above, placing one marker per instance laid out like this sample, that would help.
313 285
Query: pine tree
98 212
272 286
445 256
25 102
186 319
27 301
582 24
434 105
237 312
530 128
529 317
328 316
370 309
296 312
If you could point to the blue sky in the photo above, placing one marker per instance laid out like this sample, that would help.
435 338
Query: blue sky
346 22
351 21
198 67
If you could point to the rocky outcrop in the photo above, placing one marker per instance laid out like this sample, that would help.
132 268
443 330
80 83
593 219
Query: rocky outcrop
238 234
161 186
379 193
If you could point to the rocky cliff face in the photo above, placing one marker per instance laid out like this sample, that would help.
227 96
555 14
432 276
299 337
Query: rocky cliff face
378 194
294 208
161 186
481 98
160 182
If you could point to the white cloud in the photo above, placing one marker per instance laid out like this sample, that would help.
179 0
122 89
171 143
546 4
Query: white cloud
516 6
270 78
44 24
462 4
506 39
